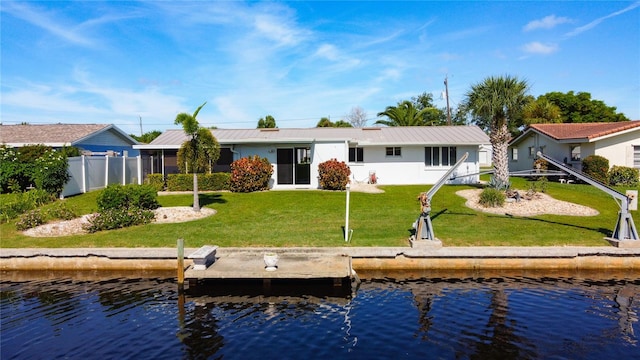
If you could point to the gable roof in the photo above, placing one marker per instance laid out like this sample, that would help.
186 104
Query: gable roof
380 136
581 132
55 135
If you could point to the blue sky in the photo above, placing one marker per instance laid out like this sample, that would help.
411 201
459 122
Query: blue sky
116 62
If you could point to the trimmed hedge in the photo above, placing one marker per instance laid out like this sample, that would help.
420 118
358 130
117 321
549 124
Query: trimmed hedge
596 167
206 182
156 181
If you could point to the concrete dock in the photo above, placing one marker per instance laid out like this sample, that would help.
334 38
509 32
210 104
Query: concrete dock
243 265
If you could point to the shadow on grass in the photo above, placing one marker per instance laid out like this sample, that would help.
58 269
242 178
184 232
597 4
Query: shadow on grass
605 232
208 199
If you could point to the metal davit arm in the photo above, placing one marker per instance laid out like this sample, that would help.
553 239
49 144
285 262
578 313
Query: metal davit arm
423 226
625 227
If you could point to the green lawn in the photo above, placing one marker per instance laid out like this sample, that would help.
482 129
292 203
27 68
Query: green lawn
315 218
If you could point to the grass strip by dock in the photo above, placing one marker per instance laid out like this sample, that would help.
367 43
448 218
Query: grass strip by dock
315 218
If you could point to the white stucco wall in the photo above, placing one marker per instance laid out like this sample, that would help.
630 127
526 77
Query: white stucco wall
618 149
407 169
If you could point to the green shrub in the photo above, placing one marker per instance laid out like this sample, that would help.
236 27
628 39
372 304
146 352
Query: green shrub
156 181
23 202
30 219
540 184
206 182
61 211
596 167
214 182
180 182
117 218
250 174
37 165
128 196
623 176
334 175
51 172
491 197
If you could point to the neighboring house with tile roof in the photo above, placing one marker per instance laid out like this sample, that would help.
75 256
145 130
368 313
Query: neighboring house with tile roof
92 139
619 142
396 155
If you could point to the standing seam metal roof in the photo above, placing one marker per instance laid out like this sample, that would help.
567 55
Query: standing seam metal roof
410 135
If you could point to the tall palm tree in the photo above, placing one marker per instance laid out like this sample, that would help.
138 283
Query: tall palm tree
500 100
404 114
199 151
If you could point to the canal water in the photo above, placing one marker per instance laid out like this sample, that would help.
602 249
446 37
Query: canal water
412 315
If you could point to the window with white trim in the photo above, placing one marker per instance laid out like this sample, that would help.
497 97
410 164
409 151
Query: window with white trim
514 154
394 151
440 155
575 153
356 154
636 156
532 152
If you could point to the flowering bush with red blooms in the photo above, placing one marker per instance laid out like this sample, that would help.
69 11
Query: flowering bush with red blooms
250 174
334 175
596 167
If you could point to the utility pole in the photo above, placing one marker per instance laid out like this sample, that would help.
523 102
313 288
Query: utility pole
446 92
140 124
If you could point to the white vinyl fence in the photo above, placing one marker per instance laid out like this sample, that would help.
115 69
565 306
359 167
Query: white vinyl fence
95 172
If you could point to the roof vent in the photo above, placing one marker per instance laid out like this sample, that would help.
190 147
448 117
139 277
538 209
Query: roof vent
372 128
269 129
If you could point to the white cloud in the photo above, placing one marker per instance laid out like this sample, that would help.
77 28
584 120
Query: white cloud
45 21
540 48
597 21
547 22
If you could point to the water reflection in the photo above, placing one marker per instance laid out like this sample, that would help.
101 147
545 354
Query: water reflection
467 315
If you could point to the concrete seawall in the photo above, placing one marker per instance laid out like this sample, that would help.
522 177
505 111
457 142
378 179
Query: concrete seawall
372 259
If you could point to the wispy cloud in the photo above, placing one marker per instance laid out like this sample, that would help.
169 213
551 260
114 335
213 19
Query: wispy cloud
76 34
597 21
46 21
540 48
547 22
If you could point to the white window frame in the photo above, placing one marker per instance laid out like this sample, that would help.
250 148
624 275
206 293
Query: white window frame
393 151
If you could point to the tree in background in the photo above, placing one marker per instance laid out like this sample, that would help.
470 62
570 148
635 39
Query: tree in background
147 137
431 115
498 101
580 108
268 122
201 150
541 111
404 114
326 122
357 117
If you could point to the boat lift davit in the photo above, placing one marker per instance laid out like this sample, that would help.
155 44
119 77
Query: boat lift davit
423 227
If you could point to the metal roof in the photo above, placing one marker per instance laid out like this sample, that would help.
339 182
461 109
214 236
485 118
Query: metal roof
379 136
55 135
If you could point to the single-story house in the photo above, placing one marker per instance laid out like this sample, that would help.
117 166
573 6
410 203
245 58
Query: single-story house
91 139
396 155
619 142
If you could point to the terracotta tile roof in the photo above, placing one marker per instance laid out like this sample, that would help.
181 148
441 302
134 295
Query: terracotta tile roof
584 130
47 134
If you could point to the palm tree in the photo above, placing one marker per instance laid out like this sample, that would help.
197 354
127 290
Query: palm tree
500 101
404 114
199 152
